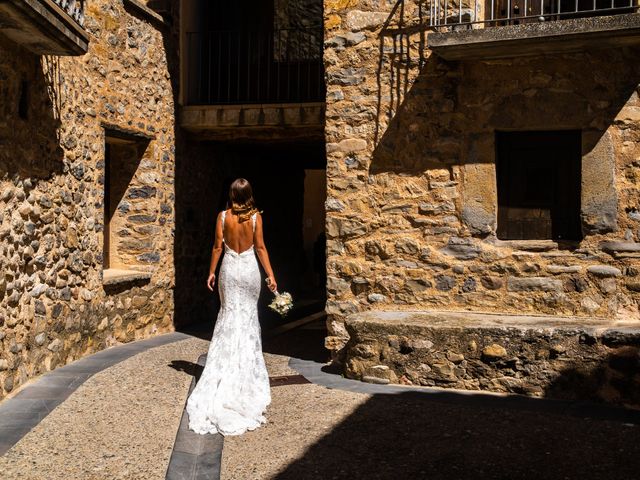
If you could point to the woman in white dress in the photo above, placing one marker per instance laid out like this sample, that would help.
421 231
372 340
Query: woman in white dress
233 391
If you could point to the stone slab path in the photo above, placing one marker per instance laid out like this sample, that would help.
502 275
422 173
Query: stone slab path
195 457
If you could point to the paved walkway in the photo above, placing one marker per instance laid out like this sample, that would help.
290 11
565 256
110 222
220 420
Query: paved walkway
23 411
119 415
195 457
119 423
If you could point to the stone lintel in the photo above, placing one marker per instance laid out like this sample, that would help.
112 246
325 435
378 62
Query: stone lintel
540 38
117 276
127 134
42 27
145 12
259 121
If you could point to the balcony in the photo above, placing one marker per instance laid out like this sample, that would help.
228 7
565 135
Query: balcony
45 27
255 84
489 29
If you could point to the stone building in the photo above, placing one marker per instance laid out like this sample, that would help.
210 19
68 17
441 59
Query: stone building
87 147
122 124
475 156
251 104
481 159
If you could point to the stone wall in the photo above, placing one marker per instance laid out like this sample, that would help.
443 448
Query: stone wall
560 357
412 201
54 306
298 30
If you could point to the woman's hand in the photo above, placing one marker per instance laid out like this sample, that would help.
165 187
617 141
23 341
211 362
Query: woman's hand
211 281
271 283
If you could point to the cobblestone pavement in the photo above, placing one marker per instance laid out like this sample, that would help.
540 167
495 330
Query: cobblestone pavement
121 423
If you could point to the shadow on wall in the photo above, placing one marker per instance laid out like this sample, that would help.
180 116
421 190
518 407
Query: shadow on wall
186 174
448 116
453 436
616 380
30 87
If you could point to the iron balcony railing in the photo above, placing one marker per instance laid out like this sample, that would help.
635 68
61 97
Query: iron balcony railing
460 14
73 8
233 67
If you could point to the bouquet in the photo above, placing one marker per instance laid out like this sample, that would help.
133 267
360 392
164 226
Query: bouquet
282 303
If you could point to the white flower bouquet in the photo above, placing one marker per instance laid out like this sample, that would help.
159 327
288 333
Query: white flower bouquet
282 303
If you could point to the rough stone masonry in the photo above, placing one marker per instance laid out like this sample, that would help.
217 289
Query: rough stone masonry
55 301
412 194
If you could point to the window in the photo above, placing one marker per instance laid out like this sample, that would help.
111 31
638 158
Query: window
538 176
126 203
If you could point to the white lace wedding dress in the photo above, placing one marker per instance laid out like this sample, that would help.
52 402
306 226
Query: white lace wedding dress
233 391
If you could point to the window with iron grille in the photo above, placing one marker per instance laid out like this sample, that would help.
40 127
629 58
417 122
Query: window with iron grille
538 179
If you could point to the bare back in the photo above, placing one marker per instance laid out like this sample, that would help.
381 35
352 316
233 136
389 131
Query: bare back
237 236
240 238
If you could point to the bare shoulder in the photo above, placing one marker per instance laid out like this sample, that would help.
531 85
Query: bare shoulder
257 223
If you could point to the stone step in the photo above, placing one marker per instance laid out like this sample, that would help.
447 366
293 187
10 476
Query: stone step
582 358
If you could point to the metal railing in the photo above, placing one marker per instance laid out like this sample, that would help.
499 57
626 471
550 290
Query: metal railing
73 8
231 67
459 14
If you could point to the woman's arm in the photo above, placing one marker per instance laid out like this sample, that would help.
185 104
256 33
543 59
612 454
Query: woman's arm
215 253
263 256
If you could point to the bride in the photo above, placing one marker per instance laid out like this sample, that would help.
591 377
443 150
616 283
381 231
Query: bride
233 391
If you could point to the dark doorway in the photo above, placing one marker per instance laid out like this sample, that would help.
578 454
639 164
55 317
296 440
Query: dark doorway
289 187
538 175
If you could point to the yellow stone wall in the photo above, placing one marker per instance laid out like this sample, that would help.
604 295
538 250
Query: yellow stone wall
412 199
54 307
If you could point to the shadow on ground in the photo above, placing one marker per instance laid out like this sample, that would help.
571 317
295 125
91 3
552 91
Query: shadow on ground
305 344
189 368
452 436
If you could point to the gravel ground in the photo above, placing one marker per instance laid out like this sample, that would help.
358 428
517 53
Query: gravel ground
298 417
278 365
120 424
317 433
